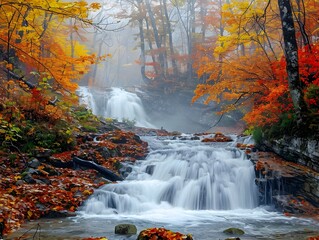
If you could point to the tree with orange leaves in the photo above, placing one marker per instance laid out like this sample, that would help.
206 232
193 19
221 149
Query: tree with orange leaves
38 62
244 69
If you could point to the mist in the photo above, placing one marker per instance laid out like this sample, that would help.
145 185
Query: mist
151 44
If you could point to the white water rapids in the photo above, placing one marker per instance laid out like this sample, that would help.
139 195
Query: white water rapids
183 185
184 174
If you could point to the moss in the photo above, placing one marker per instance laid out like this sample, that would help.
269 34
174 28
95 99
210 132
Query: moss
257 135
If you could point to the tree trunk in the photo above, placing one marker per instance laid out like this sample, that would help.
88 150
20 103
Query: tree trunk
156 36
292 67
170 39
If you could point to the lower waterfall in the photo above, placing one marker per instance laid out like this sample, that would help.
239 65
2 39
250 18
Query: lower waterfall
183 185
185 174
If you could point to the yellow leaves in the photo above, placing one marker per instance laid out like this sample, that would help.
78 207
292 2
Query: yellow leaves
29 214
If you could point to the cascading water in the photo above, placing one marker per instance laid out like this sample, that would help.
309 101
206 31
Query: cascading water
183 174
186 186
117 103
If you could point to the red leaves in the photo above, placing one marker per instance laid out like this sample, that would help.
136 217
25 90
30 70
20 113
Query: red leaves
276 100
162 234
21 201
313 238
61 189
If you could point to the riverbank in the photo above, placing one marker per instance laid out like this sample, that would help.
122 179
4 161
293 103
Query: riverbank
53 185
151 198
44 190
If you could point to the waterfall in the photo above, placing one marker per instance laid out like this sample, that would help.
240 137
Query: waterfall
117 103
181 174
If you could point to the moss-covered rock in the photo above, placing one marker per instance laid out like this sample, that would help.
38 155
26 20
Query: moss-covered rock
125 229
234 231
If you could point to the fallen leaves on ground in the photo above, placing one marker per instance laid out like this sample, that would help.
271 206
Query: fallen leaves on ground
57 191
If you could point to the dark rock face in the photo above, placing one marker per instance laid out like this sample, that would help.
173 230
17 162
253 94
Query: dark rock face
292 182
286 185
298 150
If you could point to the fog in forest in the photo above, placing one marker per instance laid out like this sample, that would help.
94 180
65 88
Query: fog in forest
151 44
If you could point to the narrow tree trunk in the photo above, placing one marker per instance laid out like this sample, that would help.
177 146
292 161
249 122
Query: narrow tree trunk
142 46
291 52
156 35
170 39
191 32
150 45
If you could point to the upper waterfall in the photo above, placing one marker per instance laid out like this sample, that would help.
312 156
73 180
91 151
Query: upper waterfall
117 103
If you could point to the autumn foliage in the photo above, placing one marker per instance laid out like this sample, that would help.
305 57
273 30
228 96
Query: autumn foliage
244 68
39 60
162 234
55 191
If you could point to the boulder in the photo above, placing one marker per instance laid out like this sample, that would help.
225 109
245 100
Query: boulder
29 179
59 214
125 229
234 231
43 153
34 163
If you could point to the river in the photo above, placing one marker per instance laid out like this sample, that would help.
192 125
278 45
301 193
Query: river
183 185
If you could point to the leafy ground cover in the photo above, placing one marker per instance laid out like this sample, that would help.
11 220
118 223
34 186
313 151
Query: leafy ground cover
31 187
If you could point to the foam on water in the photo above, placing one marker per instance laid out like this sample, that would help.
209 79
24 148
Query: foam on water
193 187
178 174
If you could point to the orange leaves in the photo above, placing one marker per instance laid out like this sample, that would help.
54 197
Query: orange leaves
36 36
313 238
163 234
20 201
95 6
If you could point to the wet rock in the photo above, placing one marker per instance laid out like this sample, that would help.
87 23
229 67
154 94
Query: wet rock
51 171
137 138
294 205
234 231
34 163
105 152
233 238
275 176
32 171
19 182
29 179
1 229
125 170
115 153
150 169
59 214
41 207
125 229
38 181
304 151
195 138
42 153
